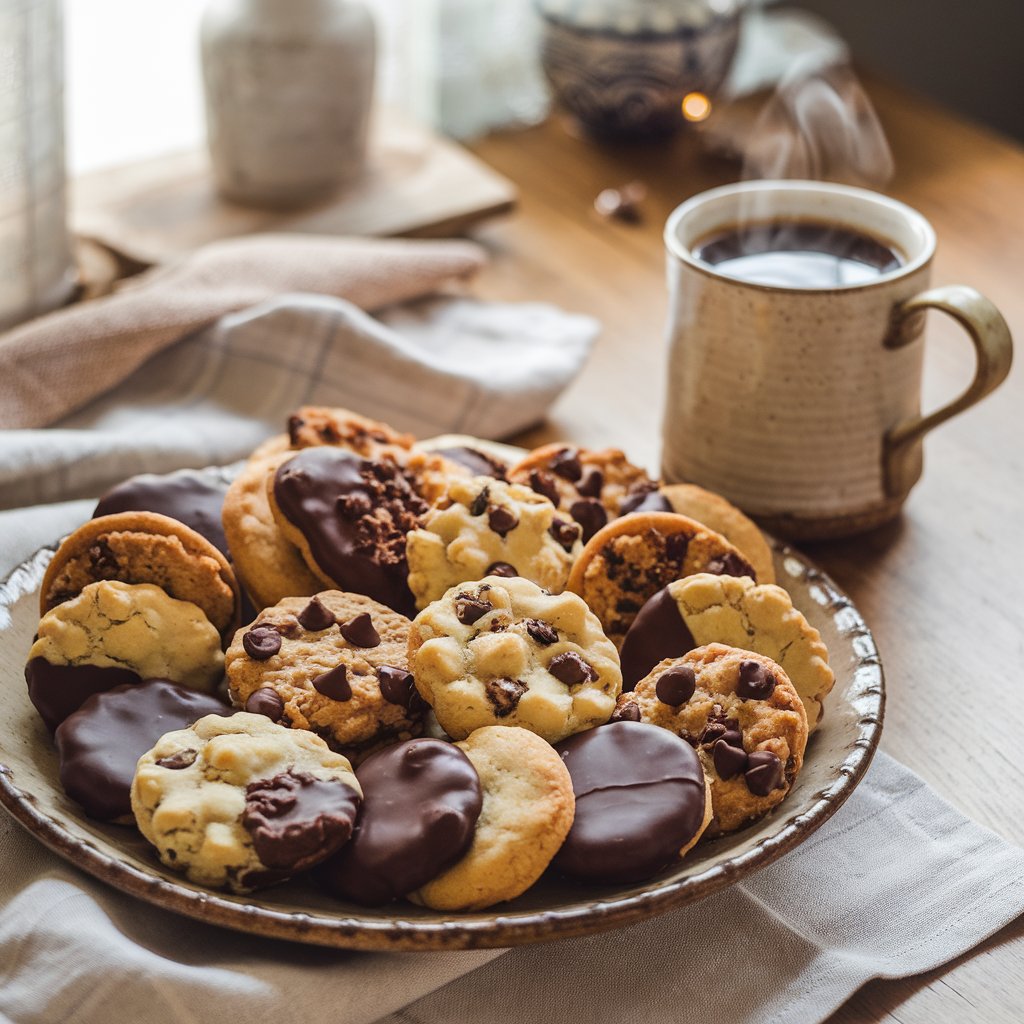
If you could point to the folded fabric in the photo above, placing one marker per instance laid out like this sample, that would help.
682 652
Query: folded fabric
55 364
439 365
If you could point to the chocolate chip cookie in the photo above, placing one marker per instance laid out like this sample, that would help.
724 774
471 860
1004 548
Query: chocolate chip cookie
526 814
145 547
704 609
743 716
335 664
241 803
349 517
632 558
138 628
506 652
313 425
592 487
482 527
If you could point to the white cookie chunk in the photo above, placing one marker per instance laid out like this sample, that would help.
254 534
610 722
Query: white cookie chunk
484 526
133 626
240 802
506 652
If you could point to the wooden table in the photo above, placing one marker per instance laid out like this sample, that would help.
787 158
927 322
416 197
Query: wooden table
943 588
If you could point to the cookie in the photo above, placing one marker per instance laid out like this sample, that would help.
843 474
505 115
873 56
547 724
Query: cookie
743 716
421 802
241 803
145 547
313 425
527 813
136 627
57 691
335 664
269 567
191 496
642 802
506 652
99 745
631 559
725 518
591 486
349 517
738 612
484 527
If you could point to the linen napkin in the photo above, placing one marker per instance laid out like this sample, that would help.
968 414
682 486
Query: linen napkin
440 364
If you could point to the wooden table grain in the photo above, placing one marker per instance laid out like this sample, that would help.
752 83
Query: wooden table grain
943 587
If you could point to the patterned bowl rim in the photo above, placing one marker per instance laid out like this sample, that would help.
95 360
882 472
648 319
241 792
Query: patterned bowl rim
485 930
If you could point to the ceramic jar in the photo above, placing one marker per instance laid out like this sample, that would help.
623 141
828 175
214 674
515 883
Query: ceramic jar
289 86
623 67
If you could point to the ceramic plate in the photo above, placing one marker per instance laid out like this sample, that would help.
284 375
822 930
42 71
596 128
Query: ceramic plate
837 756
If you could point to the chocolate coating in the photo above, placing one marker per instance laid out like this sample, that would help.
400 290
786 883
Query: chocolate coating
657 632
58 690
639 800
421 802
98 746
297 820
188 495
355 515
477 462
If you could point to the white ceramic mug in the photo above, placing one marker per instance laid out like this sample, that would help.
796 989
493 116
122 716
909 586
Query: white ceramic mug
802 405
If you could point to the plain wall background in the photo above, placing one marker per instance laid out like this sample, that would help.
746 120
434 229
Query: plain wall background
968 54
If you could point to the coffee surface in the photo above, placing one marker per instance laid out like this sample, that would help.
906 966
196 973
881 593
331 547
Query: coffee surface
798 254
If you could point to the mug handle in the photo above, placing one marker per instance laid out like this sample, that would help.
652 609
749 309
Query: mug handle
993 346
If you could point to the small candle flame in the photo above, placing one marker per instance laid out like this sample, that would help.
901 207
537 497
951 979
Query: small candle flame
696 106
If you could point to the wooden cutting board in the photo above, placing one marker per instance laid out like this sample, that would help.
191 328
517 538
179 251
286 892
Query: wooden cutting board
417 183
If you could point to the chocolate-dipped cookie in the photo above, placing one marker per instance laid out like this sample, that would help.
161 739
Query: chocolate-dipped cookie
421 801
99 745
58 690
642 801
349 517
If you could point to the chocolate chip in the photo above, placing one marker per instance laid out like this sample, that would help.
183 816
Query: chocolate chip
734 737
542 632
729 760
675 685
712 733
565 533
590 514
730 564
295 424
645 500
396 684
569 668
501 569
479 505
755 682
504 695
542 483
764 772
261 642
501 520
360 631
354 506
182 759
102 559
288 626
592 484
676 545
265 701
316 616
334 684
627 712
469 609
567 465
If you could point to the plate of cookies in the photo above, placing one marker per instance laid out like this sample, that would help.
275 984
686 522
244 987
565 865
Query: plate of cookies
371 692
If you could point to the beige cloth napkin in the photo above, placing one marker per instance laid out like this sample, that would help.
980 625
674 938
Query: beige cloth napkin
54 365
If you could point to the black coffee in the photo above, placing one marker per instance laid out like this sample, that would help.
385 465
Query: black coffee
797 254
